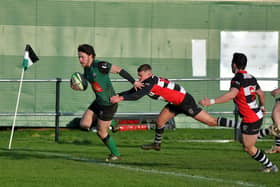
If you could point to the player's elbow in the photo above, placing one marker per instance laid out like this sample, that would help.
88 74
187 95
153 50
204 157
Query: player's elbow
115 69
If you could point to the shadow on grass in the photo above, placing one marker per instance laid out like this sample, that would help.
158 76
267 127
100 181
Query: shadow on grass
204 147
74 123
77 142
29 154
25 154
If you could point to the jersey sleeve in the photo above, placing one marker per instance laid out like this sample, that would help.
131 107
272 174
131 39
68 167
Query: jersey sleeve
131 91
235 82
104 67
133 94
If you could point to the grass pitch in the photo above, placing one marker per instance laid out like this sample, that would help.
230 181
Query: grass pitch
78 160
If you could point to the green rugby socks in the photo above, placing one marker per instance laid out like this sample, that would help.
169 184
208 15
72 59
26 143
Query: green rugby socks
110 143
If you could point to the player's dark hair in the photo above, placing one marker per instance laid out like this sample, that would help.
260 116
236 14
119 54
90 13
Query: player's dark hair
144 67
240 60
86 48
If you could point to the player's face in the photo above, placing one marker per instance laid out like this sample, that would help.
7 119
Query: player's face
143 75
85 59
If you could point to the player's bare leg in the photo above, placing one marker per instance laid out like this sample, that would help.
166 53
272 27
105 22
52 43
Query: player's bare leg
209 120
276 114
273 129
89 122
103 127
205 118
276 120
249 142
87 119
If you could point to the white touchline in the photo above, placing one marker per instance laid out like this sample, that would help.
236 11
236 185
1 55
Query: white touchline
135 169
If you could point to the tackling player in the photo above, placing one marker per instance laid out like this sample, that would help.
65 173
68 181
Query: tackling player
179 101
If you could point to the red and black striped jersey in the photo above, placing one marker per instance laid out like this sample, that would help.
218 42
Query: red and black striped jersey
157 88
246 99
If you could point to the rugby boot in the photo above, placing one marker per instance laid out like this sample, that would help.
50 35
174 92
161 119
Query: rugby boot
112 157
154 146
272 169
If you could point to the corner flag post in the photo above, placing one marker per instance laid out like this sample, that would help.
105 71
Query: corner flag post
29 58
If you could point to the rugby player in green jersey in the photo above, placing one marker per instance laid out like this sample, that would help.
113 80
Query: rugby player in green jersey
97 74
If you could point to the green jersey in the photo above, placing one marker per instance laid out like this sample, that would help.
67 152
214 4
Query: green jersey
98 76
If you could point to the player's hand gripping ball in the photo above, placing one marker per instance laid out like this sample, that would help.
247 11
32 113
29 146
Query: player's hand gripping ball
78 82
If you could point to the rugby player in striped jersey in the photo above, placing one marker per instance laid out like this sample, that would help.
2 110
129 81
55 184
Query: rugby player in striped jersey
179 101
249 99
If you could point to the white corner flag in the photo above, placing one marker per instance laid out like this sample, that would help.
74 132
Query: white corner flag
29 58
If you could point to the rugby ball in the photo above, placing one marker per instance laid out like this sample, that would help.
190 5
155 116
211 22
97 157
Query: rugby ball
78 81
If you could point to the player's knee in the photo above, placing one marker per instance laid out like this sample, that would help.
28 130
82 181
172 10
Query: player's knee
102 134
249 149
159 124
245 148
84 126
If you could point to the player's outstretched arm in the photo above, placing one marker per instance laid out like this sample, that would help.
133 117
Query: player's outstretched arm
116 98
221 99
261 98
205 102
275 92
123 73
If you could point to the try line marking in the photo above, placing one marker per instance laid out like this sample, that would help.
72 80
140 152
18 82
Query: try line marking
136 169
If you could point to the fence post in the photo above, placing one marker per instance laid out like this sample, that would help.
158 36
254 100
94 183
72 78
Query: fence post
57 108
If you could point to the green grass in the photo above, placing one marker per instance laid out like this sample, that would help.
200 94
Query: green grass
78 160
